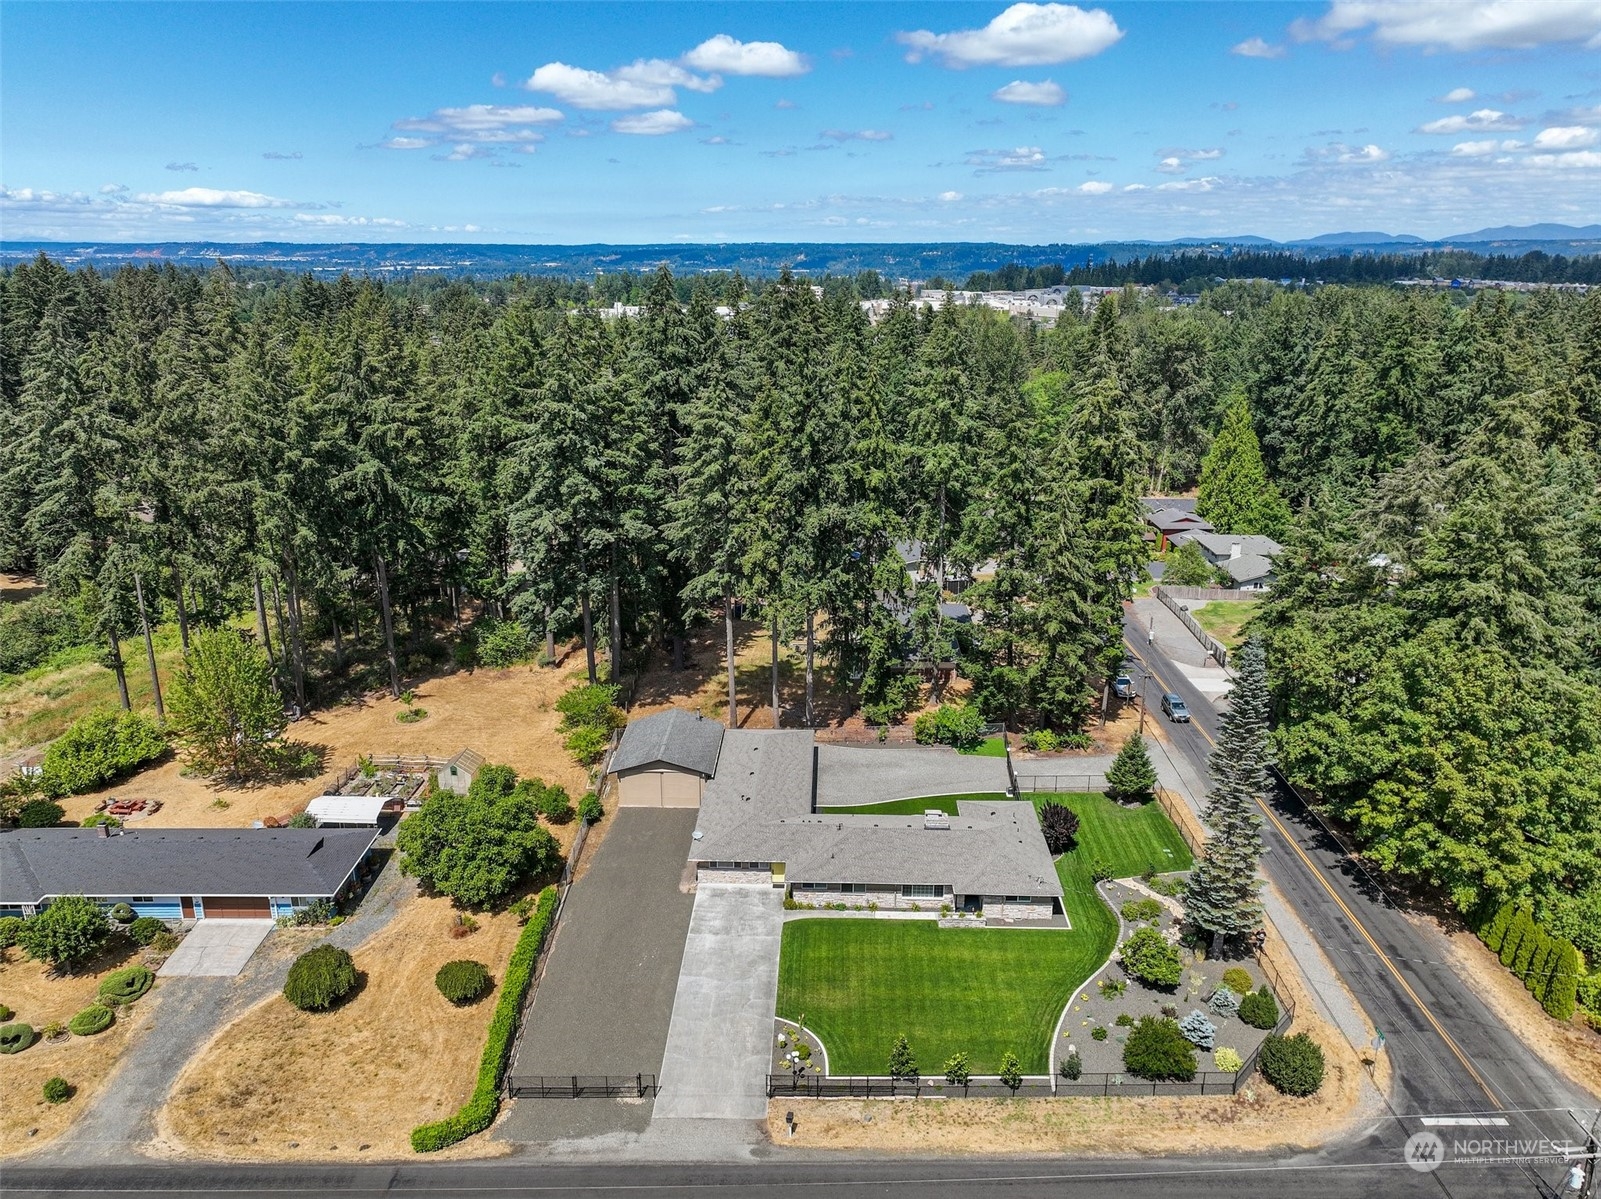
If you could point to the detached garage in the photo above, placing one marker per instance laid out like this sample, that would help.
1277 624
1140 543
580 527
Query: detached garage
663 761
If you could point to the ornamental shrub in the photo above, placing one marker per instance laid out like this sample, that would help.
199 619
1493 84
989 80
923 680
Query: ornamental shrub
10 926
1293 1064
1259 1009
554 805
1522 925
1149 957
14 1038
1224 1002
1138 910
591 706
68 932
146 928
500 643
5 1013
1227 1059
1072 1067
902 1061
587 745
1198 1030
1238 980
127 984
1494 933
99 748
1561 994
40 813
479 1112
1011 1070
1526 949
957 1070
1158 1051
960 725
462 981
123 914
93 1019
1059 824
1098 1033
1124 1020
590 810
320 978
57 1090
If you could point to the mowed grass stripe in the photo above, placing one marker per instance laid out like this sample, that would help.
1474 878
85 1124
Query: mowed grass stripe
912 807
1129 840
861 983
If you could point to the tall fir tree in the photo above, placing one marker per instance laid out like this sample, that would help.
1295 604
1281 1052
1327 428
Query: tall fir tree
1236 494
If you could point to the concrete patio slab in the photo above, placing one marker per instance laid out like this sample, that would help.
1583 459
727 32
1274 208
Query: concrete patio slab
216 949
718 1050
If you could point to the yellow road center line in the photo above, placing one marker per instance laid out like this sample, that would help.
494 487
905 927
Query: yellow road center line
1349 914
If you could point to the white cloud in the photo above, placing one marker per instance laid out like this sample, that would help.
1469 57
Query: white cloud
406 143
1458 95
1175 160
1019 158
1565 137
483 124
859 135
328 218
597 89
658 72
1342 153
1135 187
1205 184
1475 149
1095 187
1255 47
113 189
211 197
715 140
1572 158
280 156
1459 24
464 152
1044 94
733 57
653 124
1483 120
1171 165
950 197
1025 35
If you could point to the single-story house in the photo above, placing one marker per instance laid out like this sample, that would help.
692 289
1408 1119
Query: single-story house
1247 557
182 873
457 773
762 821
1165 522
664 761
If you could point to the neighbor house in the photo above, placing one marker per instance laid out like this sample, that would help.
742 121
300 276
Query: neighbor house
1164 518
184 873
774 810
1247 558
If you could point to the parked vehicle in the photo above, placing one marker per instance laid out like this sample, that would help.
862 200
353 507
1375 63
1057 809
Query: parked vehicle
1123 687
1175 708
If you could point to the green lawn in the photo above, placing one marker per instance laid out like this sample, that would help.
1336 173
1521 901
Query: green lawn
910 807
1129 840
990 747
1225 619
861 983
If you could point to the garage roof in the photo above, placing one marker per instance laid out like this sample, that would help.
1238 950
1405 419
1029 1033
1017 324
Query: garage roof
347 809
39 863
685 740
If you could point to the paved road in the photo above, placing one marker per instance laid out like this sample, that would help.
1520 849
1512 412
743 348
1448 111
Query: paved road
1451 1055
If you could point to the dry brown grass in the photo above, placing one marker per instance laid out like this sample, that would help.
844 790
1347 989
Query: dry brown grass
281 1084
1570 1048
39 997
506 715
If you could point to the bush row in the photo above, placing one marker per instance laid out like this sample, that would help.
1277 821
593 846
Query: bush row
1550 967
99 748
479 1112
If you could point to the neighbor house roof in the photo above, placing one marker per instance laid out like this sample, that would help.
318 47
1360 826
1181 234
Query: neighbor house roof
675 737
1222 544
1172 520
347 809
1175 503
40 863
1247 568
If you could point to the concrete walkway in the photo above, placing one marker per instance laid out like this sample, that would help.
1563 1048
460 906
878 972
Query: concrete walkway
1182 651
216 949
718 1045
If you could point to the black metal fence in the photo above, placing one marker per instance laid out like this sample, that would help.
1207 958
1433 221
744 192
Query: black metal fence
817 1086
580 1086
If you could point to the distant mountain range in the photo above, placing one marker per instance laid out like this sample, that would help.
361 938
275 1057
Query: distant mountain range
897 260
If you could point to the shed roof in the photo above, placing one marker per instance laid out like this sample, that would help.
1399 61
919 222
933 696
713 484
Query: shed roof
347 809
39 863
675 737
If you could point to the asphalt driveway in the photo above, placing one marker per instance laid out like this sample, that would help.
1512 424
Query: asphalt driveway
216 948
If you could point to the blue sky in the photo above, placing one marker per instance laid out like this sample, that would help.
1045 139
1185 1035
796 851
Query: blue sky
579 122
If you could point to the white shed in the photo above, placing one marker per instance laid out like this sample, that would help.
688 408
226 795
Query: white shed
347 811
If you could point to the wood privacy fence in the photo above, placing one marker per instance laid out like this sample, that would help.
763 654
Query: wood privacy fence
1211 644
1208 593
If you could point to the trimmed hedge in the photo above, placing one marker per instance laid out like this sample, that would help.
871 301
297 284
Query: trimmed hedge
1292 1064
10 926
320 978
97 749
127 984
93 1019
14 1038
146 929
1550 967
462 981
479 1112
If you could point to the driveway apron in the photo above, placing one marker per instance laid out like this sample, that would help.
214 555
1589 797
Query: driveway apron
718 1049
216 949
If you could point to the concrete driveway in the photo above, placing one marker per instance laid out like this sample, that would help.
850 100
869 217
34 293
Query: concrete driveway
718 1046
216 949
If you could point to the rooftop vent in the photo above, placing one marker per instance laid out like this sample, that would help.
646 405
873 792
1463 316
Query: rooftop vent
934 818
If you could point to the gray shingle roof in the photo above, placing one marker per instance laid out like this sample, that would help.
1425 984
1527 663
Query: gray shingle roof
1171 519
1248 568
675 737
42 862
1222 544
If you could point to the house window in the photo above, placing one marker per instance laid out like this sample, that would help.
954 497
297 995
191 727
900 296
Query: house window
1019 899
853 888
811 886
921 891
143 899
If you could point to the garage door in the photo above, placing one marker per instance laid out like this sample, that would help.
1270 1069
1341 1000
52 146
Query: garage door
235 907
642 790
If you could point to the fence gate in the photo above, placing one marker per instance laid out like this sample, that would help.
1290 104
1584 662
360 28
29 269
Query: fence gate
581 1086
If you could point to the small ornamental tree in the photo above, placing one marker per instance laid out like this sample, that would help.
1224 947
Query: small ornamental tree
1131 777
66 934
320 978
1157 1050
902 1061
1224 1002
1148 956
1292 1064
957 1071
1198 1030
1011 1070
1533 941
224 708
1059 823
1187 566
